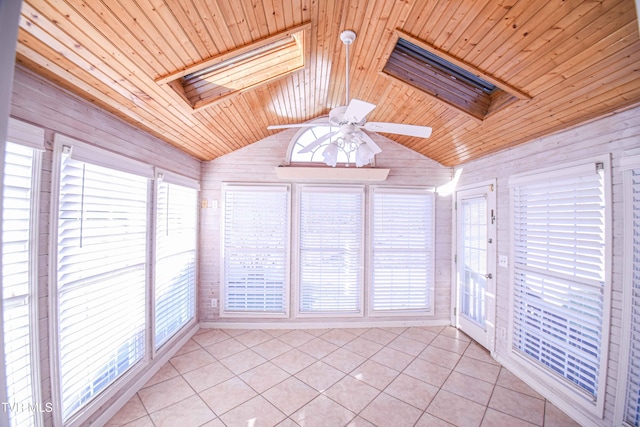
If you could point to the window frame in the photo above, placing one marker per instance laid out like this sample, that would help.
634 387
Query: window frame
552 382
356 189
628 164
223 313
428 191
160 176
101 157
33 137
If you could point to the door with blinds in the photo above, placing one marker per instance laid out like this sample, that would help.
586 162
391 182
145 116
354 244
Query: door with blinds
475 262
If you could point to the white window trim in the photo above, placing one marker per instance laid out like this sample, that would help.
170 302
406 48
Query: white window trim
552 385
627 164
399 313
23 133
297 247
61 145
171 178
287 284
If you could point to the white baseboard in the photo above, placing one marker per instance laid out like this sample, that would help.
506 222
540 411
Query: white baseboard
324 324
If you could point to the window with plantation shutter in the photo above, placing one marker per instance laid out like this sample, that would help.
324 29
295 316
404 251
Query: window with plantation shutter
19 271
402 228
559 272
331 254
175 263
629 387
101 264
255 250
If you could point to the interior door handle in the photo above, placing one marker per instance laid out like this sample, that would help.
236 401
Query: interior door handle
488 276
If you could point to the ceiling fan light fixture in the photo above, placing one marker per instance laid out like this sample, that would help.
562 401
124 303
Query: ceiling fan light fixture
330 155
364 155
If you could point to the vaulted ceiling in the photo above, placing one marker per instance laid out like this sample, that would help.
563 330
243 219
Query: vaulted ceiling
574 60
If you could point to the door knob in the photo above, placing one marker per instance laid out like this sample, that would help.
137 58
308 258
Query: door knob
488 276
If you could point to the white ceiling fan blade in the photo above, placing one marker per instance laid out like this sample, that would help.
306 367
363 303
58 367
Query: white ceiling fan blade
370 143
357 110
317 142
298 125
399 128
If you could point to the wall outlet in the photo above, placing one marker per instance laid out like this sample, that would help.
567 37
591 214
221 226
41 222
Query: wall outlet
214 302
503 333
503 261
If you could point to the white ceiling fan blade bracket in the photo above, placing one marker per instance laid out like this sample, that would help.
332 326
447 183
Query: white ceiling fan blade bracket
357 110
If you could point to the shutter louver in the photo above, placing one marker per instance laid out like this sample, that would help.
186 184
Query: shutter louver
175 274
632 398
102 251
559 272
402 244
17 276
256 249
331 228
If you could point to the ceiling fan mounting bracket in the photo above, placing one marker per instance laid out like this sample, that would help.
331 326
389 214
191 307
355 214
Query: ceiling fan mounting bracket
347 37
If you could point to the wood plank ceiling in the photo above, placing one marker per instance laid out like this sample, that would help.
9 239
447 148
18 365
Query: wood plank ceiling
575 59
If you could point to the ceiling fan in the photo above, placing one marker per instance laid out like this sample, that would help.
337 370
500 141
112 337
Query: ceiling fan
351 122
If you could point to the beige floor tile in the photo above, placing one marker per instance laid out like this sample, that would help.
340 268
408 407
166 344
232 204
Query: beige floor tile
412 391
293 361
379 335
167 371
208 376
214 423
141 422
131 411
190 345
257 412
393 358
253 338
339 337
318 348
450 344
407 345
211 336
263 377
451 332
236 332
456 410
355 331
375 374
420 334
191 412
395 329
518 405
243 361
288 422
554 417
386 410
507 380
192 360
290 395
428 372
428 420
225 348
352 394
296 338
272 348
493 418
320 376
476 351
322 412
363 347
469 387
165 393
440 357
344 360
477 369
317 332
227 395
360 422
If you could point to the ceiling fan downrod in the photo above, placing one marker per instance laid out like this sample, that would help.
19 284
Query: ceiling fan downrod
347 38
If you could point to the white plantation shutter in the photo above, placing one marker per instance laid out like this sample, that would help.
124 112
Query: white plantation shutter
255 249
101 278
632 396
559 272
175 267
331 256
19 281
402 249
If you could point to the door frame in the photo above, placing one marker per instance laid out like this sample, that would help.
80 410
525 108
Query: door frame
489 188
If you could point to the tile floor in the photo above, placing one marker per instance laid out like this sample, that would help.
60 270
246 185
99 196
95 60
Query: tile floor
420 376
